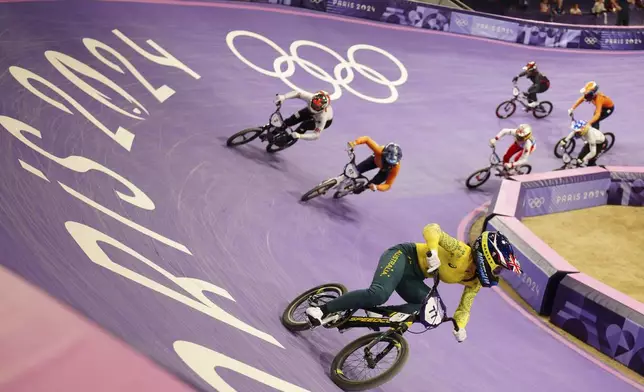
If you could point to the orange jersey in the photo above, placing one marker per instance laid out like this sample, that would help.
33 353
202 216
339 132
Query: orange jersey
600 101
377 151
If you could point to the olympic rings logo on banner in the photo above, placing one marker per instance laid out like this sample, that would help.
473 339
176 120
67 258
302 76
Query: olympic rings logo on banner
536 202
461 22
590 40
337 80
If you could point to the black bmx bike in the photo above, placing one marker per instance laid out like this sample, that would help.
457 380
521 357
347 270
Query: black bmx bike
358 366
572 163
350 181
569 147
275 132
507 108
481 176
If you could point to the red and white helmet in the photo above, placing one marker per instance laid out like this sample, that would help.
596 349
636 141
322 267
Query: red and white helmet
320 101
530 67
524 131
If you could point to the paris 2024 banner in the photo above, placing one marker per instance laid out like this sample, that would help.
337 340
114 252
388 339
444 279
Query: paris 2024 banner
408 13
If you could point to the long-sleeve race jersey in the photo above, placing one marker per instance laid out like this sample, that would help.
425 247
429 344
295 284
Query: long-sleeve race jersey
536 78
320 118
527 145
377 152
593 137
457 266
600 101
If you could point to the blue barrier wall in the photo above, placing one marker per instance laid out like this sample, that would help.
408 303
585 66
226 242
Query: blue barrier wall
420 15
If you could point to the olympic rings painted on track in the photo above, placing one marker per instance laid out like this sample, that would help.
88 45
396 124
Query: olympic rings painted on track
536 202
337 80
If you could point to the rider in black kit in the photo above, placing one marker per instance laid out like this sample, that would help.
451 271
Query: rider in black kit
540 83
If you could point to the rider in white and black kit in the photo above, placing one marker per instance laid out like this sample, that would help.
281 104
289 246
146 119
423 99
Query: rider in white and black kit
316 116
594 142
540 83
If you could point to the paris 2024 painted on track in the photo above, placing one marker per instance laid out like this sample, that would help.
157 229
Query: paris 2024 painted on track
91 213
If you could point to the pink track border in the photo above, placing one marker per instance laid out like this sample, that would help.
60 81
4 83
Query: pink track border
313 14
462 236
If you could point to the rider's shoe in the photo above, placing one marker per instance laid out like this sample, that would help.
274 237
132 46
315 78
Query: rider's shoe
316 317
531 106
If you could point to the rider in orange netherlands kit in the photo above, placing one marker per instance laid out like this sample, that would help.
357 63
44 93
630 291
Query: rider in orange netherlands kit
524 145
386 158
604 106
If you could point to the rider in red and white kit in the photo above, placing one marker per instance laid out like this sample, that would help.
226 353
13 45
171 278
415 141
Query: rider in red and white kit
524 144
316 116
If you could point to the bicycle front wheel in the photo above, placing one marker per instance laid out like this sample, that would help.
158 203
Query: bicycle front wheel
319 190
568 148
478 178
353 369
506 109
243 137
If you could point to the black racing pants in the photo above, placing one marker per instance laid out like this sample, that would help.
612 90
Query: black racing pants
398 271
606 112
305 117
370 164
586 149
537 88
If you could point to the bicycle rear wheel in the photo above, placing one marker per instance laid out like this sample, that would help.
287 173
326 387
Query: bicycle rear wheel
283 142
610 140
347 189
523 169
351 363
542 110
317 296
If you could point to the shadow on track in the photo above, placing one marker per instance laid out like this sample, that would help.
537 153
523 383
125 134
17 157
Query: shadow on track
337 209
256 154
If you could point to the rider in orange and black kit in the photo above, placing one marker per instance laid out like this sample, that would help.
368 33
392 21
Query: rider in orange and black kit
385 158
604 106
540 83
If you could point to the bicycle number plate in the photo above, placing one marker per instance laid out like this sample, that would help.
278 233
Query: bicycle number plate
432 314
515 91
276 120
399 317
351 171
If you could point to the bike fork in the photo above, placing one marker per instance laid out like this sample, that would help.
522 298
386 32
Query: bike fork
371 361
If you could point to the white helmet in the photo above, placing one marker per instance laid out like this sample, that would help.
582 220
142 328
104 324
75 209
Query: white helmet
524 131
